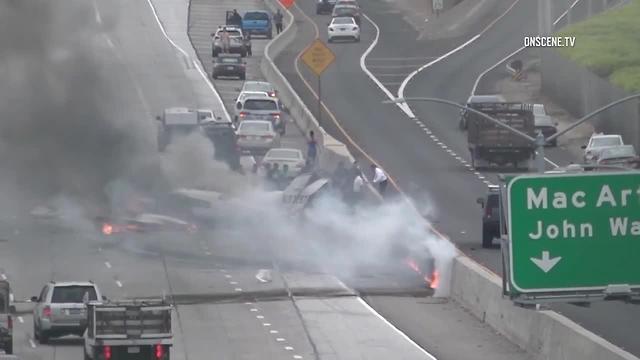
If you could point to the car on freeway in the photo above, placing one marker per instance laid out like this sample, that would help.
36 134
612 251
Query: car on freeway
257 23
325 6
257 136
223 138
477 99
544 123
60 309
621 155
244 95
261 108
238 43
292 158
343 28
143 223
348 3
179 121
491 215
597 143
347 11
261 86
229 66
6 318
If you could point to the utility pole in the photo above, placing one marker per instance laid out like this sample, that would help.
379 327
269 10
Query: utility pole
545 25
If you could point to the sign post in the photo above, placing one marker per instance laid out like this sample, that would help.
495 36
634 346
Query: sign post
437 6
318 57
574 233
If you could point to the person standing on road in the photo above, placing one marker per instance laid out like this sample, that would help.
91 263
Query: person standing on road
236 19
312 149
225 40
357 189
277 18
380 178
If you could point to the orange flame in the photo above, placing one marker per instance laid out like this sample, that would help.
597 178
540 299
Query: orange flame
434 281
107 229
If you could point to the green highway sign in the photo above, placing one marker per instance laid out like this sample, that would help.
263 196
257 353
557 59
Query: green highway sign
572 232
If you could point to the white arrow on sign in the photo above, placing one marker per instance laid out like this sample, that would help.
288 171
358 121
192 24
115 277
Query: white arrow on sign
546 264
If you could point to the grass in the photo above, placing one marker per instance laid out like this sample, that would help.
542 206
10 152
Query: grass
609 45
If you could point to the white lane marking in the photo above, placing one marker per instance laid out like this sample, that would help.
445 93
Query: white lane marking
403 66
288 348
402 58
223 270
280 339
97 12
233 283
470 41
266 324
260 317
32 344
364 303
273 331
248 303
481 177
238 289
253 310
297 357
565 12
109 42
20 320
3 276
208 253
195 63
107 264
228 276
119 283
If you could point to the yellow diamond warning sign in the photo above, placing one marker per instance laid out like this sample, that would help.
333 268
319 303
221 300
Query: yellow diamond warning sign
318 57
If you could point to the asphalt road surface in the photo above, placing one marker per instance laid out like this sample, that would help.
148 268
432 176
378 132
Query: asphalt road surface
429 164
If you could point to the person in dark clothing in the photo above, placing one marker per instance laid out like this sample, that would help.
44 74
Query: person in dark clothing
236 18
312 149
277 18
340 178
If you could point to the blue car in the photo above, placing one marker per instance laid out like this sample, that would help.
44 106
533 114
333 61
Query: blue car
257 23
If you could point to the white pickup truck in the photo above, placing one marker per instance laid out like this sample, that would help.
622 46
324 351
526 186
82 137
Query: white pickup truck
6 321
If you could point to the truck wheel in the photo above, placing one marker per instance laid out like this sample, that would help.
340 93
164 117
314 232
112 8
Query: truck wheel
43 337
8 349
487 238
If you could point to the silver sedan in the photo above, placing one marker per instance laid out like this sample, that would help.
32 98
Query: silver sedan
292 158
257 136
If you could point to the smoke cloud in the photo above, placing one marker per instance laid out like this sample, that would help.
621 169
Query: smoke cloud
57 136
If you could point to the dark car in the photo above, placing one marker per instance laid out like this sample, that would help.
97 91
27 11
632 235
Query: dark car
223 137
325 6
347 11
491 215
229 66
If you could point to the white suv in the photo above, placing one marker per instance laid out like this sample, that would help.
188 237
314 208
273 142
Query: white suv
597 143
61 309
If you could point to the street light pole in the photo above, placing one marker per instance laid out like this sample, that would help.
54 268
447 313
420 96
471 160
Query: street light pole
539 141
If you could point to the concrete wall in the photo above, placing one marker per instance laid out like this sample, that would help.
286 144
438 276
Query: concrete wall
331 151
546 335
580 91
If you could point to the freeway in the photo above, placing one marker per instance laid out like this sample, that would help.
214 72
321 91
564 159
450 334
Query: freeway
428 157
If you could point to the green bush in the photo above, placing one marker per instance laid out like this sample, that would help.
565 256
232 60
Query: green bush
609 45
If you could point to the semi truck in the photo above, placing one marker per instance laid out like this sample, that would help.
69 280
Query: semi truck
490 144
6 321
128 330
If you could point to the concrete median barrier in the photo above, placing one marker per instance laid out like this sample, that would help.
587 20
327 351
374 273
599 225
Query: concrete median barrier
331 151
544 334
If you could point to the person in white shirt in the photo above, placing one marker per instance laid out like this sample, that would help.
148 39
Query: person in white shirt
358 184
380 178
